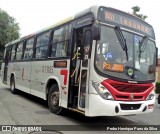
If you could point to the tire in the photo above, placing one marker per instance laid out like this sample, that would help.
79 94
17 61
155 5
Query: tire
158 99
53 100
12 86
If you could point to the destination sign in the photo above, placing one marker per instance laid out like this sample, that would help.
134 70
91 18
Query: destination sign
60 64
116 17
113 67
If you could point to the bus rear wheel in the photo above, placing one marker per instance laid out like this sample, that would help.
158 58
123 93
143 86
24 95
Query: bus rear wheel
53 100
12 86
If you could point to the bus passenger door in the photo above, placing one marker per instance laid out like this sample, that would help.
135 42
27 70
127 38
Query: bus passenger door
6 66
84 69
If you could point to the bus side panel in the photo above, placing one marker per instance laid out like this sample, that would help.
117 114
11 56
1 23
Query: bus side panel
2 72
10 71
38 78
24 76
21 71
18 71
42 71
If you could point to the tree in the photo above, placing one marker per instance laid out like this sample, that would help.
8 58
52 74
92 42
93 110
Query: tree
9 30
137 9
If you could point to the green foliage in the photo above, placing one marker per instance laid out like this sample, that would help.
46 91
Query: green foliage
9 30
137 9
157 88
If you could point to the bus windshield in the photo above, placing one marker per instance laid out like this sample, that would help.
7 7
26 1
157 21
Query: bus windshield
111 59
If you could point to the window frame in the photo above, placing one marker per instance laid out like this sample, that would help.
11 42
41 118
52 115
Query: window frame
15 50
20 50
8 48
47 44
24 49
63 40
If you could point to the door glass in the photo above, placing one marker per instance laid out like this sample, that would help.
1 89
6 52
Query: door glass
83 88
87 42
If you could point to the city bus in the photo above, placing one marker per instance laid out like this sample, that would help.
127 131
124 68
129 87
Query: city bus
99 62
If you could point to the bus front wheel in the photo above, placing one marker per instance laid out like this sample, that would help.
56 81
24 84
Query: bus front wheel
12 86
53 100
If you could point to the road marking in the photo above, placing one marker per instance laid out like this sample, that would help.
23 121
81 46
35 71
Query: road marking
129 119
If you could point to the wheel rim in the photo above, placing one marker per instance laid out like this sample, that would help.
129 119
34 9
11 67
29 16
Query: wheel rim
55 98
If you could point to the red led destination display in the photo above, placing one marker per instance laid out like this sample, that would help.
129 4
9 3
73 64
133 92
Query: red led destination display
116 17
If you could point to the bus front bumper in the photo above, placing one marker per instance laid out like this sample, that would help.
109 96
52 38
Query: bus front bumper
100 107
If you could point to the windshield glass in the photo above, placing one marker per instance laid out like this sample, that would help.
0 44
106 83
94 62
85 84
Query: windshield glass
111 59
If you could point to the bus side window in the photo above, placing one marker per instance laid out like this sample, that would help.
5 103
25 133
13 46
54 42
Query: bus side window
61 41
19 51
13 52
42 45
28 51
9 49
10 52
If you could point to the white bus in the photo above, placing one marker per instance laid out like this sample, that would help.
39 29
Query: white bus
100 62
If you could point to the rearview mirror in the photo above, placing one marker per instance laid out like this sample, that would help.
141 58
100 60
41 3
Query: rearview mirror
96 31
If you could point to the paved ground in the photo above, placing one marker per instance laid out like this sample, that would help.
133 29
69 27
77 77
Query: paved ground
24 109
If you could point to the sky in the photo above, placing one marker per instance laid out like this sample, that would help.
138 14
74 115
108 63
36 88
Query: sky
34 15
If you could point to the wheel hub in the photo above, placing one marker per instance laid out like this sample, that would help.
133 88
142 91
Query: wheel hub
55 98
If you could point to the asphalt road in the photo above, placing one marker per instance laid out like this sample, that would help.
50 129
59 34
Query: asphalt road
24 109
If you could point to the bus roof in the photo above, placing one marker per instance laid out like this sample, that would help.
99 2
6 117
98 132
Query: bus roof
94 10
42 30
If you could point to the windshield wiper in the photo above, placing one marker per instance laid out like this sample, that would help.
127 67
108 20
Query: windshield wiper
121 39
142 46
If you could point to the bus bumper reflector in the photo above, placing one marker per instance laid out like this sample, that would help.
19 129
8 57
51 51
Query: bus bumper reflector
150 106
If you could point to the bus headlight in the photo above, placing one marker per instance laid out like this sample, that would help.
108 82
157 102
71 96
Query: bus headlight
151 95
102 91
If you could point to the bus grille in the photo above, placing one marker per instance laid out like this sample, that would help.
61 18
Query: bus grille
130 106
123 91
129 88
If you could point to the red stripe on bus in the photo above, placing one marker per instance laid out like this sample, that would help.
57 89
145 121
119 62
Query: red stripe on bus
65 73
22 73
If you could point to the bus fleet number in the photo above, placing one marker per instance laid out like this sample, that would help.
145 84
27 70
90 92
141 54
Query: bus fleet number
47 69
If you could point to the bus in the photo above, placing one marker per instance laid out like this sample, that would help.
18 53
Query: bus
99 62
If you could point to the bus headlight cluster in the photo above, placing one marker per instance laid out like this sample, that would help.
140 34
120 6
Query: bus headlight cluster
102 91
151 95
